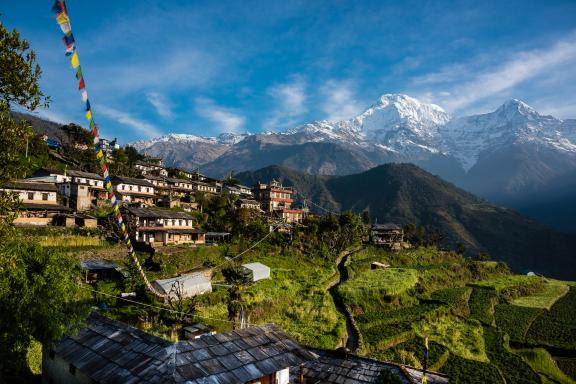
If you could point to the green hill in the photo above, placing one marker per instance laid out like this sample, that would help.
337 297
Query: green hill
406 194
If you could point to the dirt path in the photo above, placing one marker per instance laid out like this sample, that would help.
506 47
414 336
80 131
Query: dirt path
352 338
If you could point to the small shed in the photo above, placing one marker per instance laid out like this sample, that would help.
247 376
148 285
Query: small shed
389 235
188 285
259 271
196 331
215 237
101 270
379 265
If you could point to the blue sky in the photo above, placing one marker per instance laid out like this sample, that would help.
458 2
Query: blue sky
206 67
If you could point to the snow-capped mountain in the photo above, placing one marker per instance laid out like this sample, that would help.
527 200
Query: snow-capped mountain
499 154
181 138
396 122
514 123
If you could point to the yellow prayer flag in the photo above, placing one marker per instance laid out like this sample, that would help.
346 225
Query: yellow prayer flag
99 154
75 61
89 115
62 18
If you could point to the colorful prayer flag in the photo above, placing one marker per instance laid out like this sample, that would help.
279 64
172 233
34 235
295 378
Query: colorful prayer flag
75 61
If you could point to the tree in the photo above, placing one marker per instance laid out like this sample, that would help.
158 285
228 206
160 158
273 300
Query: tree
39 295
39 299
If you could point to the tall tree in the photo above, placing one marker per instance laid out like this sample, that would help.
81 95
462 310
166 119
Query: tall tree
39 296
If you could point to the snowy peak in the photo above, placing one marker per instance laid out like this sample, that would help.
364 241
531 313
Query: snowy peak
183 138
514 122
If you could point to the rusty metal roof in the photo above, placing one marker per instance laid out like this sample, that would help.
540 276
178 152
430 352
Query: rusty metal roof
109 351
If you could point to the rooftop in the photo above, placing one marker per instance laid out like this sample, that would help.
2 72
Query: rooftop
157 213
28 186
110 351
131 180
336 367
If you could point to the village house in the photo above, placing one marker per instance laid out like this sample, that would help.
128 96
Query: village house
161 226
290 215
260 354
161 186
38 202
80 190
238 190
151 166
248 204
276 200
180 187
108 146
132 191
200 186
388 235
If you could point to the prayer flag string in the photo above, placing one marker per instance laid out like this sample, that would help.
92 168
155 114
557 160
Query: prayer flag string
63 21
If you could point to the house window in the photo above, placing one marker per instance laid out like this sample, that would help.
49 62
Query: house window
30 195
44 196
72 369
130 187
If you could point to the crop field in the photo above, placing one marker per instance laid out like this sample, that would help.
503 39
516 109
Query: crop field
295 298
567 366
556 327
455 298
481 305
515 320
502 282
463 338
379 328
512 367
463 371
382 282
542 362
544 299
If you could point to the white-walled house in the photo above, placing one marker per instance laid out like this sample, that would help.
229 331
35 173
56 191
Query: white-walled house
162 226
131 190
38 202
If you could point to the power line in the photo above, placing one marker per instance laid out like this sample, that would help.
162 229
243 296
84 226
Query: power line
248 249
156 307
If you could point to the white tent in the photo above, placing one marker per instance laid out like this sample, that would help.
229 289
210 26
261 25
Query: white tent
259 271
187 285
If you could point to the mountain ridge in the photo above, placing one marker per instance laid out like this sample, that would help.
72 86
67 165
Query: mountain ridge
407 194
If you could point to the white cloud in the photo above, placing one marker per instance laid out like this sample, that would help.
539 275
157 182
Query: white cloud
52 115
124 118
160 103
290 99
227 120
465 85
339 100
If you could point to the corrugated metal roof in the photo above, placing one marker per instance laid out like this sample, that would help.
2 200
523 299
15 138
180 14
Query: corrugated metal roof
109 351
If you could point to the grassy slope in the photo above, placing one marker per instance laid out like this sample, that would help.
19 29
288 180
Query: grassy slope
451 317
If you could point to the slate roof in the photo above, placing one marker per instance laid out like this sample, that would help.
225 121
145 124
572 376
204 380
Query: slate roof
131 180
334 367
27 186
386 227
109 351
153 213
